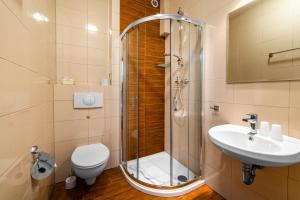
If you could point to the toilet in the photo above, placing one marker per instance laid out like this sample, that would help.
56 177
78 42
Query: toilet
89 161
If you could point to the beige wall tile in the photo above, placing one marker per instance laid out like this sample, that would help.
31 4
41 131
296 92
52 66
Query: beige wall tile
99 112
77 72
27 65
63 111
98 40
79 5
294 127
267 183
18 95
70 35
115 21
71 54
98 6
70 17
295 94
240 191
116 6
113 160
95 74
66 92
62 172
13 35
218 181
275 115
97 57
64 150
27 125
97 127
215 159
217 90
115 56
14 183
268 94
70 130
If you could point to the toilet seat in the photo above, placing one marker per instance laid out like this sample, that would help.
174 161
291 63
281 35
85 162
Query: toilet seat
89 156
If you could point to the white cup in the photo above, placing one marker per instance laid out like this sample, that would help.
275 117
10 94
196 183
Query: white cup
276 133
264 128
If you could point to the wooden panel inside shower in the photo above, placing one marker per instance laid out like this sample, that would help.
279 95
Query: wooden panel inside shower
151 79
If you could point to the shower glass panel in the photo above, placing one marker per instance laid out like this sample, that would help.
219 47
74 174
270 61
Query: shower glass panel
195 101
130 89
186 101
179 80
161 80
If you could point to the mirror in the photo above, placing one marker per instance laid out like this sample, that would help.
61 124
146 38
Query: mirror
264 42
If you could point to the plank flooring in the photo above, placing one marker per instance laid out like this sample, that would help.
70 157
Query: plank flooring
111 185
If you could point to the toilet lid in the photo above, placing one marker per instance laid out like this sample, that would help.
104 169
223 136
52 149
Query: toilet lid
90 155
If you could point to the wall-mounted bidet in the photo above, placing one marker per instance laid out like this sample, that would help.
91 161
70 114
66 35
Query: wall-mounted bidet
89 161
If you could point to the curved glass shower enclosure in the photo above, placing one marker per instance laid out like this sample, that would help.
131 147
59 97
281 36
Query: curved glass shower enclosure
161 77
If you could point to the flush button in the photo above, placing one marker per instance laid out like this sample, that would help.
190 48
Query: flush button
88 100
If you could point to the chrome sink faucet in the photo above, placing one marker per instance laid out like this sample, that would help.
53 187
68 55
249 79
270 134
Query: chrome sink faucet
252 118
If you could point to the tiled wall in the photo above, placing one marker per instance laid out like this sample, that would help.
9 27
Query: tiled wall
86 56
277 102
27 73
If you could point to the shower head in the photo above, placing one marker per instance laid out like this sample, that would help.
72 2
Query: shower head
154 3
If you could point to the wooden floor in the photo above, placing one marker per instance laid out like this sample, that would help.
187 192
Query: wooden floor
112 185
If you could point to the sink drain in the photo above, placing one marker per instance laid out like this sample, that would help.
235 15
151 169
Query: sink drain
182 178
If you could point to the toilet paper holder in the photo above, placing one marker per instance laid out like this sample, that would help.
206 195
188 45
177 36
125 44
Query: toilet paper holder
34 149
43 164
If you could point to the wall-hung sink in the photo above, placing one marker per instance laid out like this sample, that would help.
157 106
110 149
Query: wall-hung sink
254 151
259 150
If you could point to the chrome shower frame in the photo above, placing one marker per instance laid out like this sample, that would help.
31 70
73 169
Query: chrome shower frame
150 189
160 17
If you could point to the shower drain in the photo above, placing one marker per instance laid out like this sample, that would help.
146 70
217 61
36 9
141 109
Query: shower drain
182 178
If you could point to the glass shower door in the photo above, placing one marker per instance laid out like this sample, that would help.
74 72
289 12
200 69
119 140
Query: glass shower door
162 102
186 102
130 87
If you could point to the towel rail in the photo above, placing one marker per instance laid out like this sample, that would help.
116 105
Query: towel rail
273 53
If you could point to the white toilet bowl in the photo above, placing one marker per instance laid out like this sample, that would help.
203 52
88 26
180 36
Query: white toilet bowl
89 161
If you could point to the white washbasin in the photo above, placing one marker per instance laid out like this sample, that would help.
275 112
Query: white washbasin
234 141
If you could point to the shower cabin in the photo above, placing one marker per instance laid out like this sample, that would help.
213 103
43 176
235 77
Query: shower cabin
161 104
